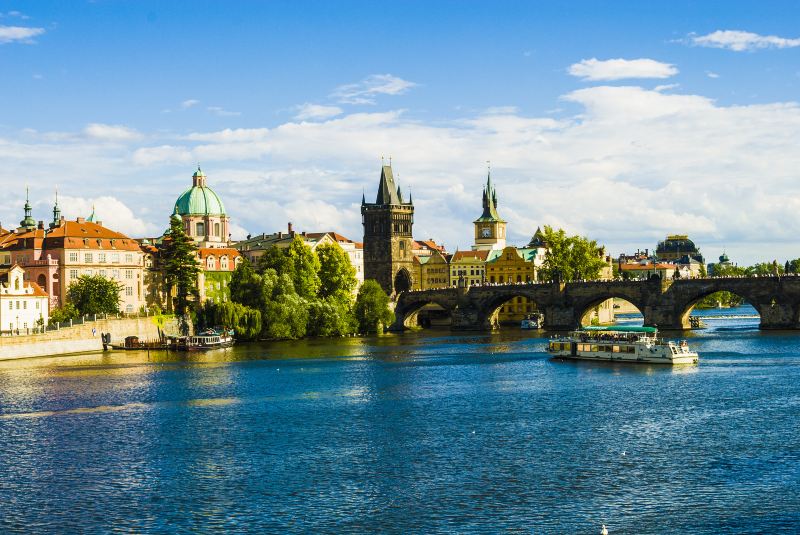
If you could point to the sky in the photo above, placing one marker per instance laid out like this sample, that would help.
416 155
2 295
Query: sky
621 121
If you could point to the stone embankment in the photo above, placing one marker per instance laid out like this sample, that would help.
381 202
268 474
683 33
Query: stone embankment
83 338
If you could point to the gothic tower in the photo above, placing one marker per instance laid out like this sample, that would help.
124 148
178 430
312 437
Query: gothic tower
490 229
388 243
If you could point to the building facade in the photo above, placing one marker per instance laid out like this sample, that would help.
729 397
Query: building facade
23 304
216 268
57 255
468 268
388 225
434 271
512 266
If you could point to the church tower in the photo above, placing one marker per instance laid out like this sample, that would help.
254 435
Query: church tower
388 243
490 229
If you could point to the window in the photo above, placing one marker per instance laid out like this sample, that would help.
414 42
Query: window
115 274
115 258
210 262
88 258
216 229
223 262
101 272
200 229
128 258
37 305
17 305
128 273
73 273
89 272
11 305
101 258
24 305
73 257
129 291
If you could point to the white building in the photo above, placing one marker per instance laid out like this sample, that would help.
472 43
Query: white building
23 304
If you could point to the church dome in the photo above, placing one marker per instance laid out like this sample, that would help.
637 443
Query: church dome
199 199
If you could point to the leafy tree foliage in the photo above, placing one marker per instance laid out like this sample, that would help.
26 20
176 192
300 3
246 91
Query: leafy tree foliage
245 321
372 308
179 257
299 262
63 314
330 317
94 294
247 287
337 276
570 257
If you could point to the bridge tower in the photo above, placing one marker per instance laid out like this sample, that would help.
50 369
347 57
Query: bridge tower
388 238
490 228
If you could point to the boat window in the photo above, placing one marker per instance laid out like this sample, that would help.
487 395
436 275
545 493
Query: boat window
616 349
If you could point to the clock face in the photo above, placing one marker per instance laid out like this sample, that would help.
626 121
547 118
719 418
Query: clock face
486 233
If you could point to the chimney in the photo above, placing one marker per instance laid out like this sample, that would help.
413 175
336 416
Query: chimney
41 225
291 232
81 220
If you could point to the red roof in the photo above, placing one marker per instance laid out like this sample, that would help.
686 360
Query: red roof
205 252
480 255
72 235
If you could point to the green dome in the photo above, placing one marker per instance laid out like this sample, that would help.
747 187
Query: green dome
199 200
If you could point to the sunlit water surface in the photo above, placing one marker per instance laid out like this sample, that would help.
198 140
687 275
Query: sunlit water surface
420 433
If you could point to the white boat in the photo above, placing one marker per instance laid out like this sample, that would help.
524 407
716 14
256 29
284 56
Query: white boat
203 341
621 344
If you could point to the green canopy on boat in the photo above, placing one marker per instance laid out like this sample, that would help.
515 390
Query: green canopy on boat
621 329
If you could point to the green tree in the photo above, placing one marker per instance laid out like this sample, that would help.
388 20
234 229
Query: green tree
299 262
570 257
179 257
63 314
247 287
245 321
372 308
794 266
94 294
337 276
330 317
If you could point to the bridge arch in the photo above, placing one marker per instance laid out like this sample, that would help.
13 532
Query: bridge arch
686 307
509 306
406 312
584 310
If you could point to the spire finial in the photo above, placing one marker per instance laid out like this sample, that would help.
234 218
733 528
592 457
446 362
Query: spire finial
390 161
382 161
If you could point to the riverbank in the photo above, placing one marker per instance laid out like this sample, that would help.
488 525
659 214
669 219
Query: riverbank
85 338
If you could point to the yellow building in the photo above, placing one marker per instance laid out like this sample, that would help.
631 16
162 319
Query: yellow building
512 266
469 266
433 271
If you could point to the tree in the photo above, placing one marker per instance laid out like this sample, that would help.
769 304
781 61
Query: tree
179 257
63 314
337 276
245 321
372 307
247 287
570 257
330 317
94 294
299 262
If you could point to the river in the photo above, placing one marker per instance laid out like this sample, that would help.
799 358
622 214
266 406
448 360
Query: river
416 433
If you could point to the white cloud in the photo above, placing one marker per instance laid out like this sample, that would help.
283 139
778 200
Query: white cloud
222 112
189 103
666 87
619 69
19 34
711 74
113 213
111 132
365 91
740 41
630 167
310 111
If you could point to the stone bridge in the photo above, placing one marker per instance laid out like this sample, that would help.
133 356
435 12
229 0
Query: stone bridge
665 304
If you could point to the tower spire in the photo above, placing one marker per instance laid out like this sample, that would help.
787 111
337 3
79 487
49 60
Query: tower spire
56 213
27 222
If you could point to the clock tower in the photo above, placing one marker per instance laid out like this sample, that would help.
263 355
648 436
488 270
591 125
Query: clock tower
490 229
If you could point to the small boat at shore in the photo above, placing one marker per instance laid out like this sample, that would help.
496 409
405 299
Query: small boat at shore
204 341
532 322
621 344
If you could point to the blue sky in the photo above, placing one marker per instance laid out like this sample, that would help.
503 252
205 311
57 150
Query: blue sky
622 121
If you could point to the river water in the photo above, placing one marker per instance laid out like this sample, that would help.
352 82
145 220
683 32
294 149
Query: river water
418 433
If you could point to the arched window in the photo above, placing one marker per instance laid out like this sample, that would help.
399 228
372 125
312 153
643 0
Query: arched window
223 263
16 283
200 229
216 229
210 262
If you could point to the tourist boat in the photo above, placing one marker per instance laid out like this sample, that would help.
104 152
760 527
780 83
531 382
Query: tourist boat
208 339
532 321
623 344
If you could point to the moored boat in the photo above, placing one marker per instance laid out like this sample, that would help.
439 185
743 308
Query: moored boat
621 344
532 321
